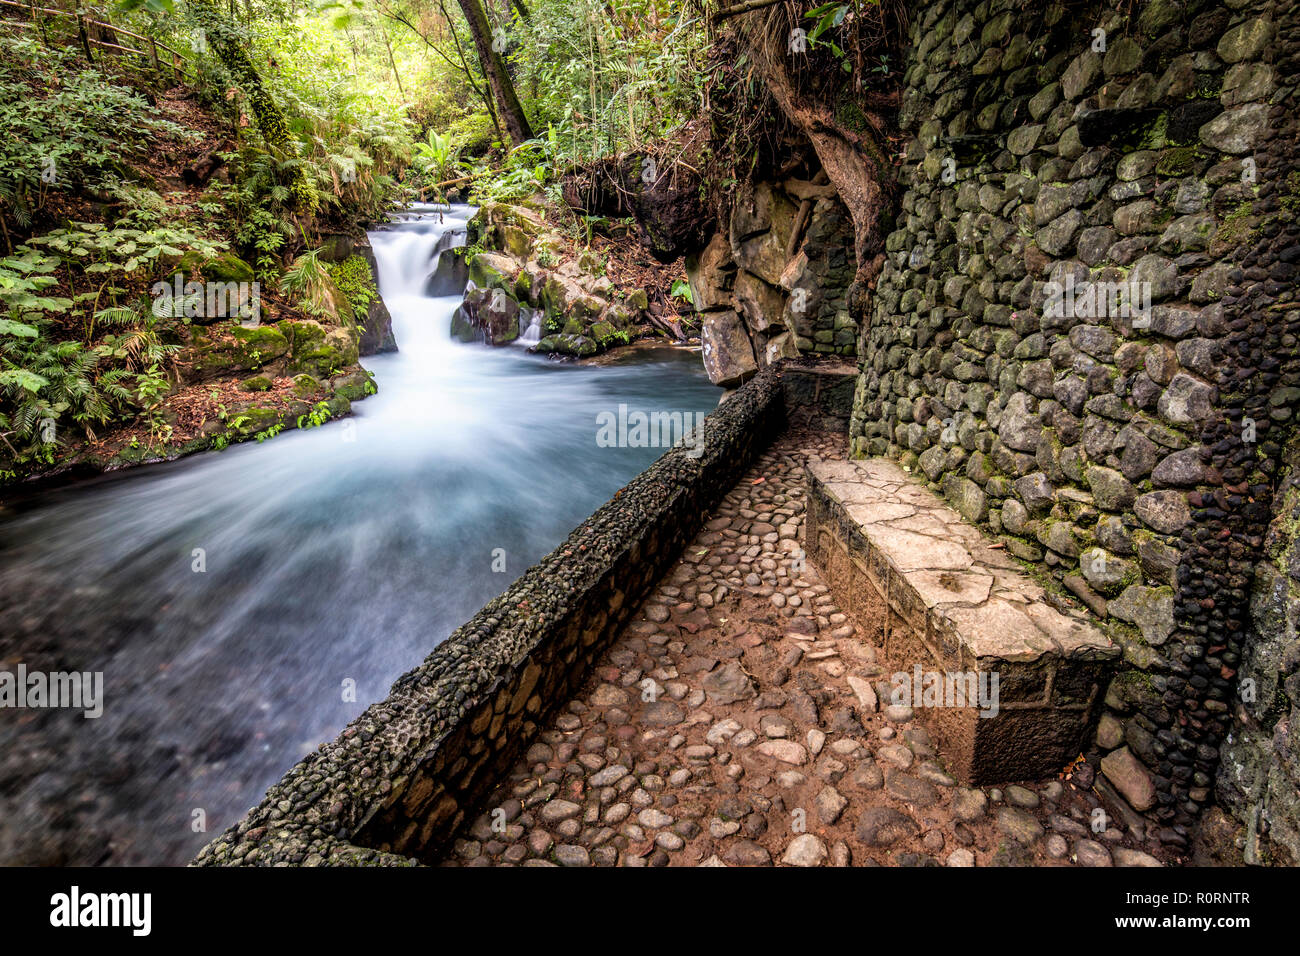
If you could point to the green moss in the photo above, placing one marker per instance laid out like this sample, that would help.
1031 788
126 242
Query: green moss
356 283
253 420
1133 679
1290 195
305 385
1236 228
355 386
1208 86
250 349
606 335
1178 161
225 267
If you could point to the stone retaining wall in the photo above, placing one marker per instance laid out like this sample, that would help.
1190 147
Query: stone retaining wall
774 282
402 777
1115 456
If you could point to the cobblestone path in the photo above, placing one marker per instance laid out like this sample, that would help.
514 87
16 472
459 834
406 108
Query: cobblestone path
737 721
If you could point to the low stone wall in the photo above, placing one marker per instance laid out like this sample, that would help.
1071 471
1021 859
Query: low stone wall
402 777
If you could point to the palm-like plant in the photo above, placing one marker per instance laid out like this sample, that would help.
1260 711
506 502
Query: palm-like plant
437 157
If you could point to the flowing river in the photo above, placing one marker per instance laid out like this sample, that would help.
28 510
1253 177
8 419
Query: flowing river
243 606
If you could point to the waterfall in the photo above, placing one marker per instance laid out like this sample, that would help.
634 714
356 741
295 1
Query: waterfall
531 334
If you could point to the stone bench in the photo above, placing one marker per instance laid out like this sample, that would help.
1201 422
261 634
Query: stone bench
954 605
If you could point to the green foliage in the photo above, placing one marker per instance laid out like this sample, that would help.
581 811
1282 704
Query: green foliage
65 127
437 158
44 384
608 77
48 383
308 282
829 16
318 416
682 289
354 280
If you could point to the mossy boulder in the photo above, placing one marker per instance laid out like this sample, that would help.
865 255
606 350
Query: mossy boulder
516 242
339 405
257 383
338 310
489 270
486 315
225 267
606 334
529 283
618 316
579 346
251 420
564 298
319 351
247 349
304 385
355 385
494 219
462 329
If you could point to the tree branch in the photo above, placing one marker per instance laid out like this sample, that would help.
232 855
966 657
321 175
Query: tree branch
747 7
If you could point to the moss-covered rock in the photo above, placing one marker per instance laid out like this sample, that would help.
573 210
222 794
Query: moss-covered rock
319 351
355 385
224 267
304 385
489 270
578 346
236 349
516 241
252 420
606 334
257 383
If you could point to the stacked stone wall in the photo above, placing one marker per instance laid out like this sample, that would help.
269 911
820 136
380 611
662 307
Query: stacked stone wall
1062 157
774 285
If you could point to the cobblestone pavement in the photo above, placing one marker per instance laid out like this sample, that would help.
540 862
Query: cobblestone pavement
735 722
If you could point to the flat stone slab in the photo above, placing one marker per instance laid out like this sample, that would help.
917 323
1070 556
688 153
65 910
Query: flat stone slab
955 603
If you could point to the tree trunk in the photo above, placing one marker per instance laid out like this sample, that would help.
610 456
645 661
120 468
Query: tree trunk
270 120
494 68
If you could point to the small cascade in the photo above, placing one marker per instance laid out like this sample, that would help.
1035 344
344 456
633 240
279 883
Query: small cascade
530 336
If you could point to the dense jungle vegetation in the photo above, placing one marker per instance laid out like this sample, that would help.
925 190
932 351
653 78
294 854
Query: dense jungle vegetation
148 137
